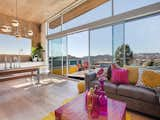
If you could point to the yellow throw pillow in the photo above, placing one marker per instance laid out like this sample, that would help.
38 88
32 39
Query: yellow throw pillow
50 116
132 74
81 87
151 79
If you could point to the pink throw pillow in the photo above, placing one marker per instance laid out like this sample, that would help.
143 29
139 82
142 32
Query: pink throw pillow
120 76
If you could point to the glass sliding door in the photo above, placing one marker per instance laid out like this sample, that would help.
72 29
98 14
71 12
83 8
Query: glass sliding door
100 48
57 56
77 53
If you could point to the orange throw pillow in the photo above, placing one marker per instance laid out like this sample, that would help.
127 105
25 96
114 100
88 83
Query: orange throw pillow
133 74
151 79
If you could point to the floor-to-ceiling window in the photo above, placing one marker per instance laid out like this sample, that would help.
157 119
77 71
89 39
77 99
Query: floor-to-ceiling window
100 47
143 37
78 52
121 6
119 54
100 12
129 42
57 56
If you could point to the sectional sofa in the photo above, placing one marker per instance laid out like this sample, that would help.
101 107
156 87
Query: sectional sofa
138 99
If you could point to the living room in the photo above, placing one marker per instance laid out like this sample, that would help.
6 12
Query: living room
99 55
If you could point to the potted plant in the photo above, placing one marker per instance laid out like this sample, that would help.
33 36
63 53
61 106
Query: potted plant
37 53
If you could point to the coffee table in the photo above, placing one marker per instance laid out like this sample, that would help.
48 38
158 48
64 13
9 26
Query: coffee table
75 110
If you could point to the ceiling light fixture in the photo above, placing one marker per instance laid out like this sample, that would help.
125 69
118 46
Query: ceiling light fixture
17 34
6 28
30 33
15 22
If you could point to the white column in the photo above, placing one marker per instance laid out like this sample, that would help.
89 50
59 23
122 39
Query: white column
44 43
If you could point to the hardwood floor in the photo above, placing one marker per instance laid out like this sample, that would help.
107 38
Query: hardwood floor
20 100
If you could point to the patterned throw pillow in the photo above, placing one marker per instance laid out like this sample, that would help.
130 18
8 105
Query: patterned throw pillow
148 79
132 74
151 79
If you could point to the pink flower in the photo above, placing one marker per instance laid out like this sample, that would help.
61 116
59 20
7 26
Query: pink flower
100 74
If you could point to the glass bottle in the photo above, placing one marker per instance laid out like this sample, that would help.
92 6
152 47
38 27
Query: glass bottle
96 89
95 106
103 103
101 82
89 99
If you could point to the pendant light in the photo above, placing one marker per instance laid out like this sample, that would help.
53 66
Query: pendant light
30 33
18 35
15 22
6 28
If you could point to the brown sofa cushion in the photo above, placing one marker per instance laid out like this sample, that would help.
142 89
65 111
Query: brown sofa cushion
137 93
108 86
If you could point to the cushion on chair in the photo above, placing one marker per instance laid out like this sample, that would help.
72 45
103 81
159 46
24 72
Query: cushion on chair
137 93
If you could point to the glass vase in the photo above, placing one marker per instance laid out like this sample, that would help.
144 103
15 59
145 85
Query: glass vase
103 103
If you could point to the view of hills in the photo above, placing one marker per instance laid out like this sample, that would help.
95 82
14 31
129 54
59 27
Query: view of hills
109 57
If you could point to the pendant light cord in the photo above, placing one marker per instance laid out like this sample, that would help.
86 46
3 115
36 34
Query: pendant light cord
16 11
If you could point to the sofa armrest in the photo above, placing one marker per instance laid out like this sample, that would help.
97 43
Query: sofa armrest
157 90
158 95
89 77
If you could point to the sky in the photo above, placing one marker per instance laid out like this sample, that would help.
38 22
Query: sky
142 35
10 45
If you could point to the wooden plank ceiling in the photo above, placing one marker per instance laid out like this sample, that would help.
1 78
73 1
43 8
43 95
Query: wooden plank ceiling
33 10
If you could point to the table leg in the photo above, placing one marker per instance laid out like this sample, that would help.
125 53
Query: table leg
38 78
